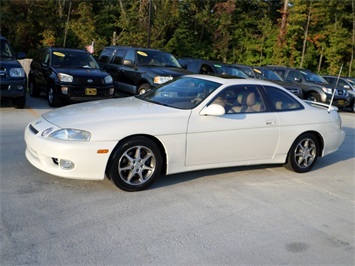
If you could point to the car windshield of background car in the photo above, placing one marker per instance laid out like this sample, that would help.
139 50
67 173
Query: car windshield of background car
181 93
154 58
6 51
74 60
314 78
229 70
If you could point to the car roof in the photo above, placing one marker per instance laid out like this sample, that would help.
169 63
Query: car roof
232 80
113 47
63 49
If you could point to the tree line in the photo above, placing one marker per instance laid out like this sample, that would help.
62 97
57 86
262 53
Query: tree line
315 34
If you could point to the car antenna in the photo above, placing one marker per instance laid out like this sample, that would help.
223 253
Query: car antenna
336 85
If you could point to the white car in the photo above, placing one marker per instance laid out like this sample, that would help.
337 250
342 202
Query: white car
191 123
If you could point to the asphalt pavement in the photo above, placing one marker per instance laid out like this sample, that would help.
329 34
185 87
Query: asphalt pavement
258 215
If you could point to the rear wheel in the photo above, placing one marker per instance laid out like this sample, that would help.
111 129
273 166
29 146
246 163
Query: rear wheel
135 164
53 99
33 90
303 153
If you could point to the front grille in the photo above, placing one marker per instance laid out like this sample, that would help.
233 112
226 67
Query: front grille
35 131
84 81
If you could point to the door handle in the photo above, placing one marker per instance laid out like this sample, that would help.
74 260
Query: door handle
270 122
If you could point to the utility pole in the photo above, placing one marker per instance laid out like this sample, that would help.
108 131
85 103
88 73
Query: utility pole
149 21
66 25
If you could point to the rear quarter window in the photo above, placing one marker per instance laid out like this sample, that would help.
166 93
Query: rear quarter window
282 101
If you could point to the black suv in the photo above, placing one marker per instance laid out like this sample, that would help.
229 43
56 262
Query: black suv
13 81
136 70
268 74
68 75
314 87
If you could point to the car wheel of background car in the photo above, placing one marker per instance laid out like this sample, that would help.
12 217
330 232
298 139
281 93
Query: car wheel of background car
52 97
352 105
135 164
303 153
33 90
313 96
143 88
19 102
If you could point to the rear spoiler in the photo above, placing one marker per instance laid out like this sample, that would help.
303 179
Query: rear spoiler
323 105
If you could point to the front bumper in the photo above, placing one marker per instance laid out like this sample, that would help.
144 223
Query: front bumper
84 93
13 88
46 153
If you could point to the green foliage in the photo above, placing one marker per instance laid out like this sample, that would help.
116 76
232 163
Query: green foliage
233 31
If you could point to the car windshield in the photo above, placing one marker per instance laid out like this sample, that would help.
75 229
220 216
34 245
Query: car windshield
69 59
182 93
267 74
312 77
156 58
6 51
230 70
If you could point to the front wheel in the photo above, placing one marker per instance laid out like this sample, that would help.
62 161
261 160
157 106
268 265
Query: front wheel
19 102
303 153
135 164
53 99
313 96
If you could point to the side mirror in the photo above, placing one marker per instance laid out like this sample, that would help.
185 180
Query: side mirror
297 80
347 87
127 62
213 110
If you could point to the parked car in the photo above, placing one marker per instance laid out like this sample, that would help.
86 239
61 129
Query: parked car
136 70
314 87
247 69
202 66
68 75
346 83
13 80
193 122
268 74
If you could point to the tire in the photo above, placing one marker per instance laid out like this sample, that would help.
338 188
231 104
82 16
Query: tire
352 105
135 164
53 99
303 153
33 90
313 96
19 102
143 88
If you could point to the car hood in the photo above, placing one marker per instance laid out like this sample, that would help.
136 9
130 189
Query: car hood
9 63
165 71
82 72
114 116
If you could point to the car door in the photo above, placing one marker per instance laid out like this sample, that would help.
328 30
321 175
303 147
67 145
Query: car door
234 137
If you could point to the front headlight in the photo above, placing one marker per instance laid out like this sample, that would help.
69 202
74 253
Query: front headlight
17 72
71 134
65 77
161 79
328 90
108 79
